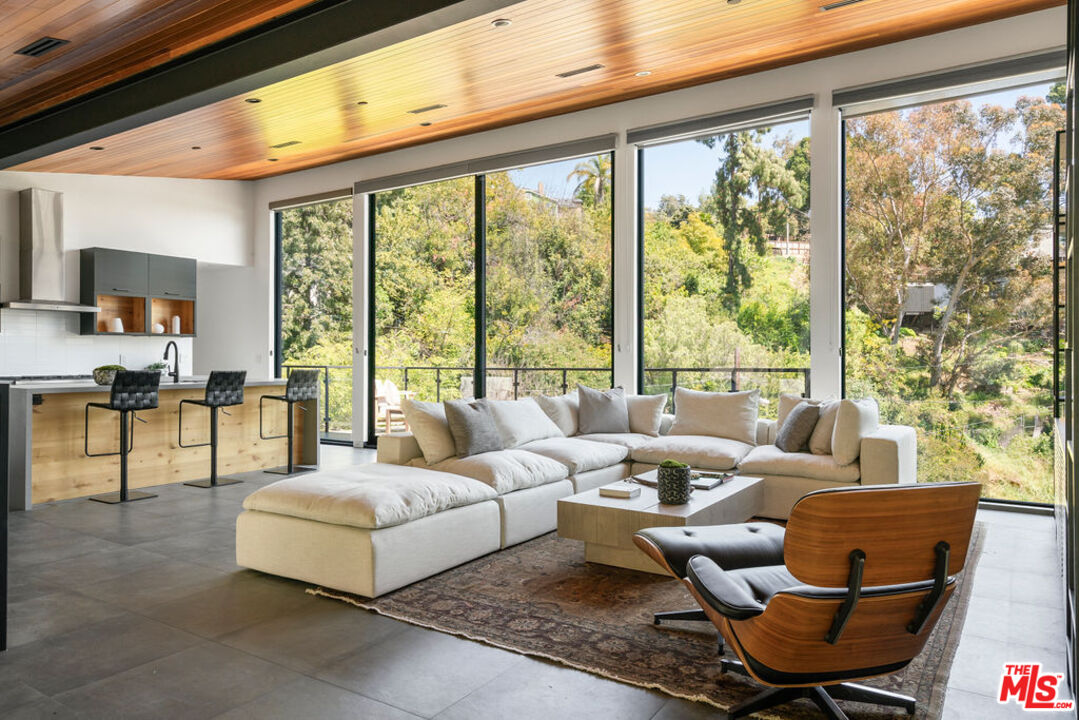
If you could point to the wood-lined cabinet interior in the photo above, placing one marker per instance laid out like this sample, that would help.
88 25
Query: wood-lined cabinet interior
139 289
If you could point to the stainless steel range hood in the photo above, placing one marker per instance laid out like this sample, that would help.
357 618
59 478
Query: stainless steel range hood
41 254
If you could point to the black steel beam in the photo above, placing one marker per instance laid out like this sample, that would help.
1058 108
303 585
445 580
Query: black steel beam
325 33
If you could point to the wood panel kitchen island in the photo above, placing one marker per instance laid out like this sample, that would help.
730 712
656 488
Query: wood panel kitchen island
47 460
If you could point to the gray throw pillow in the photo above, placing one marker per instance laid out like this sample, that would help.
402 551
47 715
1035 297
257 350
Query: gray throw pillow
797 428
472 426
602 411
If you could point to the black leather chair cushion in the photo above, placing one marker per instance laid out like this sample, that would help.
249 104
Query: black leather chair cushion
738 594
134 390
302 385
731 546
225 387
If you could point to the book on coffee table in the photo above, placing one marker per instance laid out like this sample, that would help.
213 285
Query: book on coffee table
699 479
621 489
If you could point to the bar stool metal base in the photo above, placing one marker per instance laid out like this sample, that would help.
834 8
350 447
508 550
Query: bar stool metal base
210 483
296 469
113 498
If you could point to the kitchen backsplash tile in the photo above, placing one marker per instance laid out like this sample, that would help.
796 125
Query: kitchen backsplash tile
48 343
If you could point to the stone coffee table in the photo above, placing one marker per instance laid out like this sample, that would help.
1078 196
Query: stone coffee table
606 524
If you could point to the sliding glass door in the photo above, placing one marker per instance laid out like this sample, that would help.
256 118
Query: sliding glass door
424 282
948 282
538 249
726 262
315 300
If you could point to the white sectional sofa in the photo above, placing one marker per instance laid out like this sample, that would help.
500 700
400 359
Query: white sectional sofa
371 529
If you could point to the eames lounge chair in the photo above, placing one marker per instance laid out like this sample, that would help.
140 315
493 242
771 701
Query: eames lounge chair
854 591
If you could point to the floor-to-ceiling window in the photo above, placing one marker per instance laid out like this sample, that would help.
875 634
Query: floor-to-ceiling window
315 302
948 282
543 237
424 310
549 277
725 272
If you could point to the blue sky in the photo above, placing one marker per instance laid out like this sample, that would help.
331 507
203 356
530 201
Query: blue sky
687 167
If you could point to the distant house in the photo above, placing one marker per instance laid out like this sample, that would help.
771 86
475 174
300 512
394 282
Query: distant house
556 205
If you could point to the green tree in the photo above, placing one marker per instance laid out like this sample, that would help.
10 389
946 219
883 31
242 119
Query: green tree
593 178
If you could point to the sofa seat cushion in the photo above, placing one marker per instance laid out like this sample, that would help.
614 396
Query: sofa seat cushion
368 496
770 460
578 455
506 470
630 441
700 451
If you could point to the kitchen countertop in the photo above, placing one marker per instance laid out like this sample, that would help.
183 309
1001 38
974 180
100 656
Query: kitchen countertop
88 386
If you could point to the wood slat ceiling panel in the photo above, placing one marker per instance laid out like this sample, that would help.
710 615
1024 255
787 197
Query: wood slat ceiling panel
109 40
490 77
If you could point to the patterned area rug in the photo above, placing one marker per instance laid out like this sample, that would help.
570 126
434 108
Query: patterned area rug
541 599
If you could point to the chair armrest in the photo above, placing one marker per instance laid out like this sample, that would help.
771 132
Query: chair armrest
726 597
889 456
766 432
665 423
398 448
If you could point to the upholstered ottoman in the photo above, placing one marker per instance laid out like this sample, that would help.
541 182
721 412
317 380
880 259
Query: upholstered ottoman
367 529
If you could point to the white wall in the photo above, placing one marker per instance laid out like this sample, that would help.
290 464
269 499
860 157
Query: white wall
208 220
252 286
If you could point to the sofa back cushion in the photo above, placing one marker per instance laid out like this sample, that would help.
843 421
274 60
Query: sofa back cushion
731 415
646 413
820 442
563 410
789 401
853 421
797 427
473 427
602 411
522 421
427 420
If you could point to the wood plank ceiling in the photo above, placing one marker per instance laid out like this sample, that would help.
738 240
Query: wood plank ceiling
482 76
107 41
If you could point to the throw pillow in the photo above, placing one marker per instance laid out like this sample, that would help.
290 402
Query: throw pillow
789 401
522 421
562 409
602 411
472 426
820 442
427 420
646 413
797 427
731 415
854 420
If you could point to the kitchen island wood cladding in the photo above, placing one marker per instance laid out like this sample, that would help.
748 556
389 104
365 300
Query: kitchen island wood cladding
60 470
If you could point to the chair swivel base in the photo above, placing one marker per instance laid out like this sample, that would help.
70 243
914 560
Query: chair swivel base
113 498
823 696
208 483
283 469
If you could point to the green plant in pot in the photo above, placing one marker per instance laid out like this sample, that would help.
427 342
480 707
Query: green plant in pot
105 374
673 484
159 366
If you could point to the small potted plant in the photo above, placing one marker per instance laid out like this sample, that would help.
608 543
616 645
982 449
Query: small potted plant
161 367
674 483
105 374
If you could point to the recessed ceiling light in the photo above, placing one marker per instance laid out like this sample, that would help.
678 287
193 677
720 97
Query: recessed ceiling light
272 159
501 22
288 143
579 71
96 147
362 102
733 2
425 124
838 4
196 147
643 73
253 101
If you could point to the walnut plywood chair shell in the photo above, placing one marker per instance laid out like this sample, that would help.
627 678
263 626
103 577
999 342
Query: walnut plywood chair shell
864 575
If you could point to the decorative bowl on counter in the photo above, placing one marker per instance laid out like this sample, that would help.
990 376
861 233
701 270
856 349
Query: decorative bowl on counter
105 374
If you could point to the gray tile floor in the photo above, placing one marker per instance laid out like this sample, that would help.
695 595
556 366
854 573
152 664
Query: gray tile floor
139 612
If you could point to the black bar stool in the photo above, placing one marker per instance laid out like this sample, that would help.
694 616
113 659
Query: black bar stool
224 388
132 390
302 385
